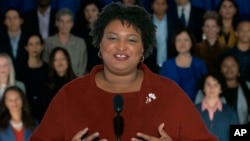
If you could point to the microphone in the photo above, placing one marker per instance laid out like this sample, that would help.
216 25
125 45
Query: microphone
118 120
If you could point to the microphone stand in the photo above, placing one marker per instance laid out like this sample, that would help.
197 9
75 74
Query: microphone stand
118 126
118 120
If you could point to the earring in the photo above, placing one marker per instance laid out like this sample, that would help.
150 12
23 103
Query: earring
99 54
142 59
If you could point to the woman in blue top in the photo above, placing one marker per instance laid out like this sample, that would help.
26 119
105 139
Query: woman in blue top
217 116
184 69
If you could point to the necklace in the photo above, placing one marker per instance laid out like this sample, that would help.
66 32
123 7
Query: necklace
16 125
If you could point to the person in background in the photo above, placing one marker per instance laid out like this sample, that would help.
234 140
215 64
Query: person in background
185 69
13 38
228 11
17 123
185 14
41 20
83 108
85 16
60 72
237 90
7 74
75 46
217 116
131 2
210 48
34 75
163 33
242 48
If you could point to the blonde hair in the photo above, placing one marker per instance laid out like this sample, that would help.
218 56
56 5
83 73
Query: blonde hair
11 78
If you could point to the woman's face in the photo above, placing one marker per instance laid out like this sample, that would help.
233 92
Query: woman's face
34 46
4 67
230 68
183 43
211 29
60 62
227 10
90 12
212 87
13 101
121 47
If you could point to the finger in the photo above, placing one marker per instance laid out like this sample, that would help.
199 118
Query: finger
91 137
144 136
103 140
79 134
161 130
135 139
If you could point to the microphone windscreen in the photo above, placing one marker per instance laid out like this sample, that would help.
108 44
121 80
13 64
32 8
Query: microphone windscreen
118 103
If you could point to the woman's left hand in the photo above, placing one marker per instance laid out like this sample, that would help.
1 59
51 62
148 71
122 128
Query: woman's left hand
163 134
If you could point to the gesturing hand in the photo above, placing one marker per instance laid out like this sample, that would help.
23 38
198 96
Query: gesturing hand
78 136
163 134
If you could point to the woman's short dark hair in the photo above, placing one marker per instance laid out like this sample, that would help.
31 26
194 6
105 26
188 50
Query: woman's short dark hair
134 15
216 76
177 33
27 119
37 35
223 57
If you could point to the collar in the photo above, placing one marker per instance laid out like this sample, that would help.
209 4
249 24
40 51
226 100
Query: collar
18 36
218 106
187 8
46 13
156 19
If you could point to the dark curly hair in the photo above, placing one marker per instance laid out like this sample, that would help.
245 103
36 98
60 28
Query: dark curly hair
134 15
217 76
137 2
27 119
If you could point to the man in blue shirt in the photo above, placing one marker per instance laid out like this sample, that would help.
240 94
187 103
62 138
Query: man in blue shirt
12 39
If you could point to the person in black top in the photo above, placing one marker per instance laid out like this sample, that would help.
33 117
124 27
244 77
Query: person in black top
85 16
34 75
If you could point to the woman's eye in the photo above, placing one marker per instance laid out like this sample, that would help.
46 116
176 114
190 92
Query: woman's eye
132 41
111 38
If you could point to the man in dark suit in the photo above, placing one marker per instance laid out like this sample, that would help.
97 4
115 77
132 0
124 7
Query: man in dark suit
164 31
41 20
186 15
12 39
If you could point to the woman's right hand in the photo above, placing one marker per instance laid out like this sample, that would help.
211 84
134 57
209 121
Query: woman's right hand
78 136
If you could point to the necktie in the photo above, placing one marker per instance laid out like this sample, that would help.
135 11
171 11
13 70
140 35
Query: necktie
182 18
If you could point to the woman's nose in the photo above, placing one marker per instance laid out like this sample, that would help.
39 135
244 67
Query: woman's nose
121 45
